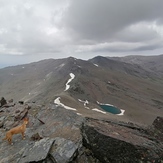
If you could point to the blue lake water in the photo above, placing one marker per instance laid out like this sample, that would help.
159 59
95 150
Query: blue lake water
111 109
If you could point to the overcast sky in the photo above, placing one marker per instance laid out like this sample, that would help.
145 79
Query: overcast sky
32 30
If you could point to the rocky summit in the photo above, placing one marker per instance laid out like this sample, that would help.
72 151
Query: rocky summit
57 135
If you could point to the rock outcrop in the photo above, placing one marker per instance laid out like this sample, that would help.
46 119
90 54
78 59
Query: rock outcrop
38 151
156 129
52 135
3 102
158 124
120 143
69 153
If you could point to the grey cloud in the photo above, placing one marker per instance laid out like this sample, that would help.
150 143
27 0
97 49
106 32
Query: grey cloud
100 20
24 28
137 33
148 47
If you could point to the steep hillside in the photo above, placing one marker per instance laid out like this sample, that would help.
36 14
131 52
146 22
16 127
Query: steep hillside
24 82
76 83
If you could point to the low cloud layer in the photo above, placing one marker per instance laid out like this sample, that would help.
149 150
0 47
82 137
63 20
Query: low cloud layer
38 29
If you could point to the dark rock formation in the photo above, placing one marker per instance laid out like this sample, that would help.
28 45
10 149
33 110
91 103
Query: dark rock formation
2 102
156 130
158 124
117 143
21 102
36 137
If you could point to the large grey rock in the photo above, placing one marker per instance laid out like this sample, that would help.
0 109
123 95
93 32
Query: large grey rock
38 151
120 143
59 122
63 151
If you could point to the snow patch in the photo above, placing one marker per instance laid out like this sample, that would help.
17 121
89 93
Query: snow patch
87 107
122 112
78 113
85 103
99 110
67 84
104 104
57 101
61 65
48 75
96 65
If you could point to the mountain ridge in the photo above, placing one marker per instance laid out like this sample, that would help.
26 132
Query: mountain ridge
150 63
99 79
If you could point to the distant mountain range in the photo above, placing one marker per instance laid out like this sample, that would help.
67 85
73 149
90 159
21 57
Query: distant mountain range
150 63
132 83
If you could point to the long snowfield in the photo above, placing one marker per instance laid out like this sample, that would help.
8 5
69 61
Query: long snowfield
57 101
67 84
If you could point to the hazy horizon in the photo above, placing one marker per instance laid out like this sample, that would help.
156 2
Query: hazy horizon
37 60
36 30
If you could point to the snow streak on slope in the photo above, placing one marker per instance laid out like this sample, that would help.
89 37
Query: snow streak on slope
96 65
78 113
57 101
99 111
104 104
67 84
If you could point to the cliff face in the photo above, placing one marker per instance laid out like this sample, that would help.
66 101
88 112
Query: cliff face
57 135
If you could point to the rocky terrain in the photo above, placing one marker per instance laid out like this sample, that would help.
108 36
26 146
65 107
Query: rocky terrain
57 135
62 100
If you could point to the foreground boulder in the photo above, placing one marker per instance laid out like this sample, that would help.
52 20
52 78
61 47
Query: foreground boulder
157 128
64 150
52 135
38 152
120 143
